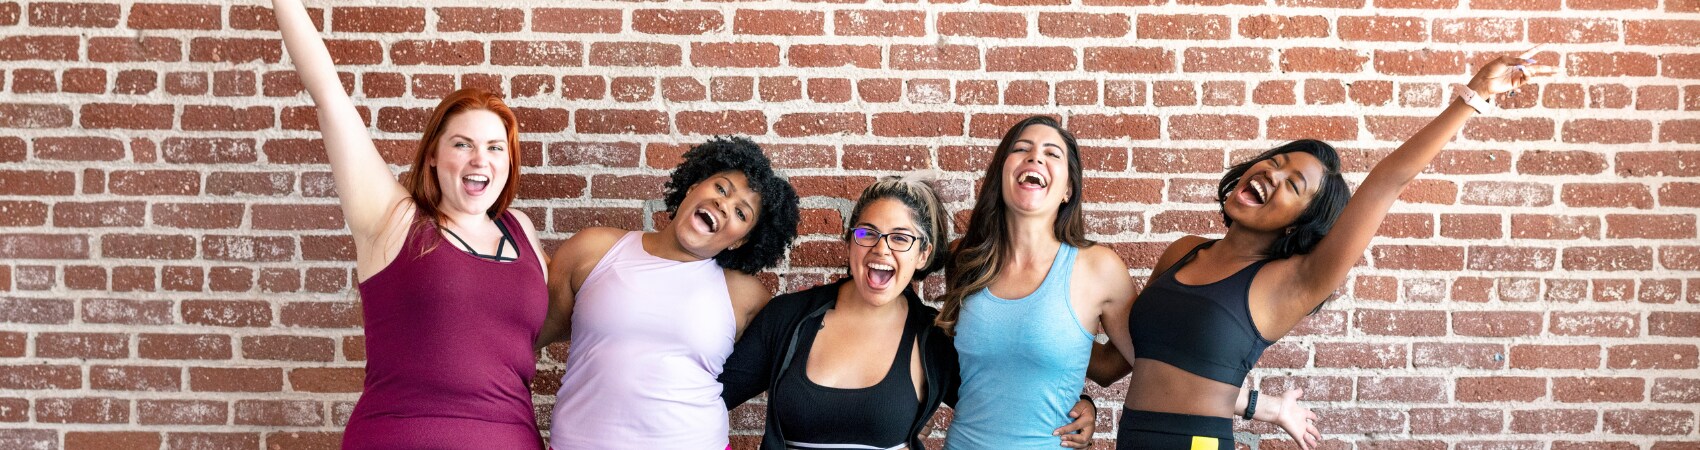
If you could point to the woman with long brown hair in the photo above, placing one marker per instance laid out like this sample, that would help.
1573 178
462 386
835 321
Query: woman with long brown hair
1026 293
452 283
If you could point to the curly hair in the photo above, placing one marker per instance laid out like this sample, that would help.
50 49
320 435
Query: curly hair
776 222
1317 218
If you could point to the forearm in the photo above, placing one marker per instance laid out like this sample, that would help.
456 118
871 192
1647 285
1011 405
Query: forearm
1268 406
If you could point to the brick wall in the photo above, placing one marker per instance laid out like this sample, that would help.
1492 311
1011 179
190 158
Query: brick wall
174 271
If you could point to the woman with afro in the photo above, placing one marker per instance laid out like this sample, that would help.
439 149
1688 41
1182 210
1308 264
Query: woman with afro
653 316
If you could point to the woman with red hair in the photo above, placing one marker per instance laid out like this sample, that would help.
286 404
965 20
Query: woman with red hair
452 286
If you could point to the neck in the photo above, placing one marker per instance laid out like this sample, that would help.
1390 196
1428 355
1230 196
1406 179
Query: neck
850 303
665 244
1241 243
463 220
1031 238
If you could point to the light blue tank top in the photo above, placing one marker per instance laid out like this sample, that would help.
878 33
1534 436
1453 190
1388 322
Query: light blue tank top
1023 365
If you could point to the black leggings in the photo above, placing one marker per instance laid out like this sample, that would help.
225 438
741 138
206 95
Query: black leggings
1146 430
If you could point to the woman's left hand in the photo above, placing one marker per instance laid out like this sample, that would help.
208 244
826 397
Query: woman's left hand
1078 434
1298 421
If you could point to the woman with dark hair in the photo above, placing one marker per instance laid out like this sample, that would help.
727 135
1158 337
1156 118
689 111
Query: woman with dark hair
1026 293
448 350
858 363
1212 306
653 316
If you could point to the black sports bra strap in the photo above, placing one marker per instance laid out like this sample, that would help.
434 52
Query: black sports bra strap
1176 267
506 239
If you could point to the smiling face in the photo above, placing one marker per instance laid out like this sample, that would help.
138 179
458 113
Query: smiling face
880 273
717 214
1035 172
1275 191
471 161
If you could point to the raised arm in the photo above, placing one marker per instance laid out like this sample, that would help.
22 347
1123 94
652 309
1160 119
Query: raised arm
1325 268
368 190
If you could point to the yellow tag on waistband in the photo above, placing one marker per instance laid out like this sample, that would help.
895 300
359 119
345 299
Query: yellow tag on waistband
1204 443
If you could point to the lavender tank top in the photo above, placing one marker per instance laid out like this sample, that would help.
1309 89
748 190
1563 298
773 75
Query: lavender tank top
649 339
448 348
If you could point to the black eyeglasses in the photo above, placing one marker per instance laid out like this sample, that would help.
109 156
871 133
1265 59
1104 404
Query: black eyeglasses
897 242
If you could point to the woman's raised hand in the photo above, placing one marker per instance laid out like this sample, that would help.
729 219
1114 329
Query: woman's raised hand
1508 73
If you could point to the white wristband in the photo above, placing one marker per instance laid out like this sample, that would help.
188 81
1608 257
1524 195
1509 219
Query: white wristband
1480 104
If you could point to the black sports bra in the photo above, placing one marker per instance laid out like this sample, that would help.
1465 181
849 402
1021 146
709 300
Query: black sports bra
1205 329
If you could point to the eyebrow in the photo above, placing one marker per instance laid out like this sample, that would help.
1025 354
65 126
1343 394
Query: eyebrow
504 141
1286 159
1047 144
733 187
876 228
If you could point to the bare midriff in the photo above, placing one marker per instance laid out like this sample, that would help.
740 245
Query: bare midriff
1157 386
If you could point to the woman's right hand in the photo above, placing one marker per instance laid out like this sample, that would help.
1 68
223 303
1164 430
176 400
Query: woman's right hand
1297 420
1508 73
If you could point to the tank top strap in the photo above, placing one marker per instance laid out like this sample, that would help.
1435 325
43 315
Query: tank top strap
1061 271
1190 254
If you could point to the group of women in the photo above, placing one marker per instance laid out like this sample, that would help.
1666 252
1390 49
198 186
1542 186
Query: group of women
670 329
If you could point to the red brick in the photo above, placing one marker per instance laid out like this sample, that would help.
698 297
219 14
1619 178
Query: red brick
44 246
326 379
1084 25
1608 258
1359 355
1115 126
73 15
832 55
721 122
296 413
1496 193
248 248
1611 4
1482 29
182 412
1634 195
605 121
437 53
1313 127
575 20
1419 62
815 124
183 346
378 19
1232 59
935 57
983 24
918 124
1658 163
1192 126
225 118
1419 257
235 50
1597 389
154 16
1304 59
486 20
44 48
1383 28
1500 389
626 187
1650 226
879 23
288 348
1553 421
885 157
1608 131
1529 356
779 22
1653 356
111 440
1030 59
1457 421
1400 323
734 54
82 410
133 117
677 21
537 53
218 379
1573 31
184 440
1649 422
1611 64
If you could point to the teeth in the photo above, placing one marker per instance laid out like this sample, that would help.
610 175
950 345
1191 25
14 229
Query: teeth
478 178
878 266
713 223
1035 177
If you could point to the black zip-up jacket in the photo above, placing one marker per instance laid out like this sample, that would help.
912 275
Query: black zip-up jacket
766 349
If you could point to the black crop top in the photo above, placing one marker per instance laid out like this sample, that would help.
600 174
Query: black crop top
1205 329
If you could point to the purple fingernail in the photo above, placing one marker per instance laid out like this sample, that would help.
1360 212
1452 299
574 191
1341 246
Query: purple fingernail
1529 60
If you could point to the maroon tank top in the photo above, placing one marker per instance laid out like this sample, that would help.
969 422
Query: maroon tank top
448 347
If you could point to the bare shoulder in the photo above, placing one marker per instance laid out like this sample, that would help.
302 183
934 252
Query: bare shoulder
1102 260
745 287
595 240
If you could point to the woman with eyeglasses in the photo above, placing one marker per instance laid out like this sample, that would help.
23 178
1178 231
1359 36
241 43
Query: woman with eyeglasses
858 364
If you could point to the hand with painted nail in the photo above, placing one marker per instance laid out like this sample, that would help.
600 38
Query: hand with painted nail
1508 73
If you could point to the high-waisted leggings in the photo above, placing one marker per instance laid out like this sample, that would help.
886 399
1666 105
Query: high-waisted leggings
1146 430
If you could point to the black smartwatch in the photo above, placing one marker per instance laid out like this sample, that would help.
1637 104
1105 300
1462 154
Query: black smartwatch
1250 405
